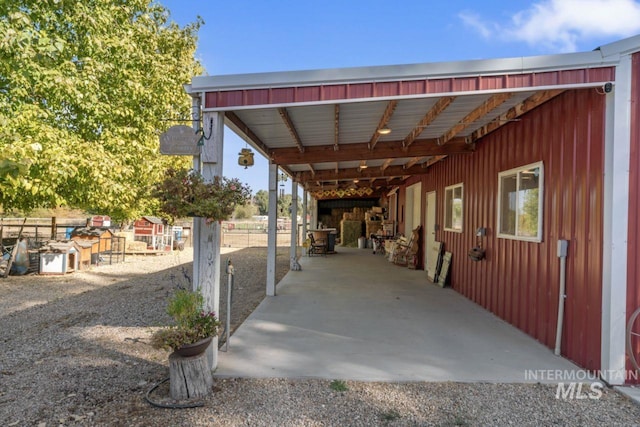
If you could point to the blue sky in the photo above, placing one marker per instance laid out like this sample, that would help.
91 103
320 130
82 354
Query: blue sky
245 36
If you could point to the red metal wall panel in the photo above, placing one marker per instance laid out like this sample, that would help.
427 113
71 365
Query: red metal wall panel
519 281
333 92
633 242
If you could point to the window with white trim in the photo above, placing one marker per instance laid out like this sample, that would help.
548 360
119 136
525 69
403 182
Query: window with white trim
453 207
520 203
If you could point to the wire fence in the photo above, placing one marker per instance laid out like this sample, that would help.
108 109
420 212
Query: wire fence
252 238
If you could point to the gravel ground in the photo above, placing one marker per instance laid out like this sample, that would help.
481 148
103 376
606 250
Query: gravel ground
74 352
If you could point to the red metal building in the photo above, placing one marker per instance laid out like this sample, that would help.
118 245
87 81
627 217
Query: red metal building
518 155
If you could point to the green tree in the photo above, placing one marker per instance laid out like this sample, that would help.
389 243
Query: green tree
261 200
284 206
245 211
85 86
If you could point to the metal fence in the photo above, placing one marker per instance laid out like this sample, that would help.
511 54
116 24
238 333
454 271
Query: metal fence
249 238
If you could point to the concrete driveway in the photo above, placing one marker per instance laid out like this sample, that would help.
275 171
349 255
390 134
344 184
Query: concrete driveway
354 315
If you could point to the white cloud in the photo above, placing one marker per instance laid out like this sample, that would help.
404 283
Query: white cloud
474 21
560 24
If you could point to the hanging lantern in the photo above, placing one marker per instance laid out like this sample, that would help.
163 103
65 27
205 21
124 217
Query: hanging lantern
246 157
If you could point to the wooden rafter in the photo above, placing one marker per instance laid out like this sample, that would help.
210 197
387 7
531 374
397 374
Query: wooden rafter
432 161
386 116
351 173
431 115
292 129
240 126
336 127
311 169
412 162
386 164
485 108
527 105
360 151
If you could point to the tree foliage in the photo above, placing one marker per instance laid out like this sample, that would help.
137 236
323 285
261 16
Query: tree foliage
245 211
261 199
84 88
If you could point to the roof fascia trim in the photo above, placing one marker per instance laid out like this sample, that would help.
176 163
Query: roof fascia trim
389 98
485 67
620 47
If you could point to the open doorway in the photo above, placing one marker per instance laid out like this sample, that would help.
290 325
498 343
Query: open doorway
430 251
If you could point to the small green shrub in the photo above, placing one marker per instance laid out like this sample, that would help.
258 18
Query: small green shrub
338 385
193 322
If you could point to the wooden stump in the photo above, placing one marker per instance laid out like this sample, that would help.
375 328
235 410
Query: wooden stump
189 377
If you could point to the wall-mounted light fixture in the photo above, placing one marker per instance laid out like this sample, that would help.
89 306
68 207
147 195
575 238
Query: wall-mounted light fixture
477 253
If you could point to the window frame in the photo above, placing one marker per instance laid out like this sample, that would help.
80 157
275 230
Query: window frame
447 207
516 172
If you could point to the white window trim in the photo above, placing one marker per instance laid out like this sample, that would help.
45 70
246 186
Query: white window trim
452 187
538 238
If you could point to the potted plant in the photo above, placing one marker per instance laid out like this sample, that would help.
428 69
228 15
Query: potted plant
185 193
194 326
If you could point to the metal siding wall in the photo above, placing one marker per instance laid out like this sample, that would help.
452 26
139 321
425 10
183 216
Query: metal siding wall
518 281
633 243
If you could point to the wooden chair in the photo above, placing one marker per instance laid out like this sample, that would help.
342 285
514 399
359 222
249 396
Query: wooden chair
405 252
317 246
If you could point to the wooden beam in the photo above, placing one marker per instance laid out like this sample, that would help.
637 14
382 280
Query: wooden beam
432 161
431 115
388 112
351 173
360 151
336 127
525 106
484 109
239 124
412 162
292 129
313 172
346 184
386 164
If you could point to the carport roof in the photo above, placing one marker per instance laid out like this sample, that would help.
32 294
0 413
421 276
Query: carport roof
323 126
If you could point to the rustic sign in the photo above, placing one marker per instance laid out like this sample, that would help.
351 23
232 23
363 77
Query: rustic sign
180 140
444 270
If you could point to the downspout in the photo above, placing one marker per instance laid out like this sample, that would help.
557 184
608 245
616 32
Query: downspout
563 246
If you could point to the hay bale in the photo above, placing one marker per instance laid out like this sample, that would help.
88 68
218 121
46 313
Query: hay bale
350 231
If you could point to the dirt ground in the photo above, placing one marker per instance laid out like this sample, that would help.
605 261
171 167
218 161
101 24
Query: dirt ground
74 352
72 344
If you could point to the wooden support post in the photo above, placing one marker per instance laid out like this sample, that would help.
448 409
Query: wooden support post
207 278
189 377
